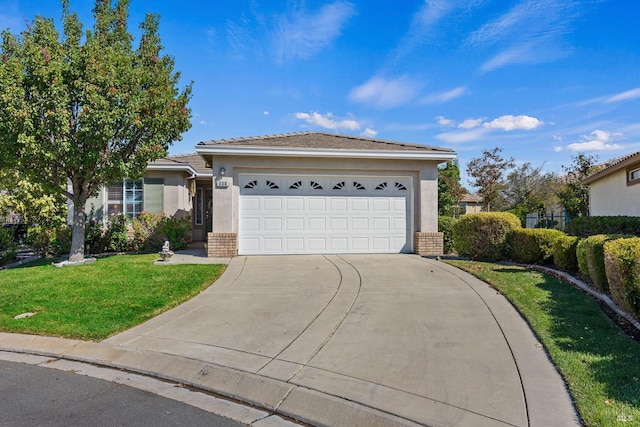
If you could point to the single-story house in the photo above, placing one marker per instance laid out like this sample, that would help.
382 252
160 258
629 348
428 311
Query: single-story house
470 204
615 190
296 193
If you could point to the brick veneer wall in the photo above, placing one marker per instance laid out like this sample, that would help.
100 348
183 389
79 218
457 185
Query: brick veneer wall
428 243
223 245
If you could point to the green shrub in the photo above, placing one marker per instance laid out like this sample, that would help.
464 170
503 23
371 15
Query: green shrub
445 226
591 260
50 242
622 264
151 230
564 253
532 245
7 245
482 236
581 259
586 226
115 237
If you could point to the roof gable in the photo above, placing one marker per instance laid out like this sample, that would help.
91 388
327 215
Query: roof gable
613 167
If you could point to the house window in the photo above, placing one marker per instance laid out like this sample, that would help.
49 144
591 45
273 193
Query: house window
131 197
199 206
633 176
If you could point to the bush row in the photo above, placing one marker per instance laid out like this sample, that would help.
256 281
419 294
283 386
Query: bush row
586 226
144 234
610 261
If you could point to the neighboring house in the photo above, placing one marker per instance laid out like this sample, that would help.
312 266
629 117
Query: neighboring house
470 204
298 193
615 190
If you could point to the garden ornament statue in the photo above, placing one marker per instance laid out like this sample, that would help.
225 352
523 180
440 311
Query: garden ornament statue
165 253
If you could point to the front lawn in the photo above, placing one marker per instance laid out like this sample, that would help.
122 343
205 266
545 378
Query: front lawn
95 301
599 363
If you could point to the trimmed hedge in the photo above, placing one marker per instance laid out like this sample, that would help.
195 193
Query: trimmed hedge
482 236
622 264
564 253
445 226
532 245
586 226
591 259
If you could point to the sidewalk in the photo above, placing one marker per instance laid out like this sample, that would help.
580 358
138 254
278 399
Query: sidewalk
344 340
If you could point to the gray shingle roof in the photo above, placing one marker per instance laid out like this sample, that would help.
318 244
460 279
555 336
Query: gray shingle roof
613 166
191 159
319 140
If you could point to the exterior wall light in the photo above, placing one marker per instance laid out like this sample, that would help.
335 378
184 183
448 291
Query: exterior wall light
222 171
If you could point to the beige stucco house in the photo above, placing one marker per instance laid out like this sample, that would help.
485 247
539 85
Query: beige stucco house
297 193
615 190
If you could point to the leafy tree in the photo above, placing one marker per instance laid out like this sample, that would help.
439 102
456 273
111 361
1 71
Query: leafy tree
450 190
573 195
487 174
84 109
529 189
30 202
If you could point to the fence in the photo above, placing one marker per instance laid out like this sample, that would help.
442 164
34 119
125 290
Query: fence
550 220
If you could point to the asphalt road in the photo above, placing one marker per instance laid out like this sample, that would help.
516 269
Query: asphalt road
36 396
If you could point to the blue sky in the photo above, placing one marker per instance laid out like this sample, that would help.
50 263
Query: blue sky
544 80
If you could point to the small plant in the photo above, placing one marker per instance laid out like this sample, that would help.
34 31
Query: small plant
445 226
591 260
50 242
7 245
115 236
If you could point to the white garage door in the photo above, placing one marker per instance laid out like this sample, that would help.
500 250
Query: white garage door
315 215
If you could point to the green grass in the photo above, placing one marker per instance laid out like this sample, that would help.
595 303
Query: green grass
93 302
599 362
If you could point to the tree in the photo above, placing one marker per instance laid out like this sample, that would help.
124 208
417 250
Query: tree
573 195
27 200
450 190
487 173
529 189
82 110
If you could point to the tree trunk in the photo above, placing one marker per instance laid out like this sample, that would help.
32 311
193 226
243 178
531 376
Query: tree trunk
77 237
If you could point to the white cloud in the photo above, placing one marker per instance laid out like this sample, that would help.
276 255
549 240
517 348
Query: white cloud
266 113
369 133
623 96
598 140
441 97
385 93
328 121
557 148
532 31
509 123
202 122
302 34
470 123
443 121
457 137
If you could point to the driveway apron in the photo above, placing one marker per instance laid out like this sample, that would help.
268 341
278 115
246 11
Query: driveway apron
410 337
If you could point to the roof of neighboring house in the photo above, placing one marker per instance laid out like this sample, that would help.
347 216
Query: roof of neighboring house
191 163
318 143
614 166
471 198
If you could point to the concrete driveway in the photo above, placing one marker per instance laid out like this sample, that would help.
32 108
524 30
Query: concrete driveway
364 340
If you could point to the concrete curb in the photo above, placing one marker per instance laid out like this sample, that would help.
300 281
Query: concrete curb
277 397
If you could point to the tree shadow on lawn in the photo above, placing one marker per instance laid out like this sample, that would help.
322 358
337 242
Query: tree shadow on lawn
607 354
